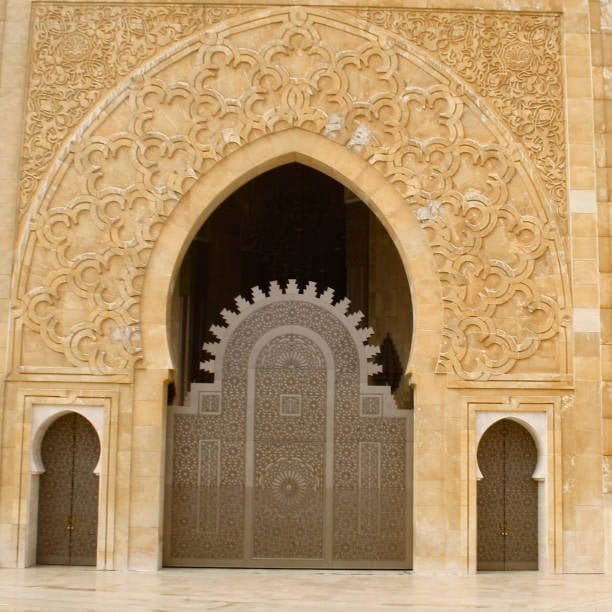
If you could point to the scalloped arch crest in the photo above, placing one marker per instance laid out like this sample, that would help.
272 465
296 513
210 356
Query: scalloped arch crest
96 218
292 293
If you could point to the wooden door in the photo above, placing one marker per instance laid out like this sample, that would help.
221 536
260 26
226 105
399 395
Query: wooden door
507 499
68 493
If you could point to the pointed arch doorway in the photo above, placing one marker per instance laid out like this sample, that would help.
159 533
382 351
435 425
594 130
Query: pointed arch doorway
284 462
68 493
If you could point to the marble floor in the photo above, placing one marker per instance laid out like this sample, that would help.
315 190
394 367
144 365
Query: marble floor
60 588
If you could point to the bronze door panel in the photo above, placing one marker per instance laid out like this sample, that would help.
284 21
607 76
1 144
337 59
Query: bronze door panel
289 459
507 499
68 494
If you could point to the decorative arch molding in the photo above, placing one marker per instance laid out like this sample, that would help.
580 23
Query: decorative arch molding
86 245
43 416
242 165
534 422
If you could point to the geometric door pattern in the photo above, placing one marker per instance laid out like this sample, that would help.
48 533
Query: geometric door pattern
68 493
289 458
507 499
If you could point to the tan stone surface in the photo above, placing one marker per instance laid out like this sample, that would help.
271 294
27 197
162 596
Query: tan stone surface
510 275
255 590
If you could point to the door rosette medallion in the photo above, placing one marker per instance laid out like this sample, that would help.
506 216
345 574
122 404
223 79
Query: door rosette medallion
288 483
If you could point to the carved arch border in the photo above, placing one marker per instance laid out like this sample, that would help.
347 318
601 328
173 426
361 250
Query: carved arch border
385 43
332 159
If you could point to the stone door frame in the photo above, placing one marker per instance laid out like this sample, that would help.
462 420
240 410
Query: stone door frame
539 415
41 412
295 145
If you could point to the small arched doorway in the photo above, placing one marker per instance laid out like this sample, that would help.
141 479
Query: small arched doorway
507 499
68 493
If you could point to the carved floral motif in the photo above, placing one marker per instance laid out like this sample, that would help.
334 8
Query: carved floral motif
498 254
512 60
80 52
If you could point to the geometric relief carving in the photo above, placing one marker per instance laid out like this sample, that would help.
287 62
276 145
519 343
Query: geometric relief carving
369 487
208 482
288 520
323 488
371 406
290 404
75 59
498 251
209 403
517 71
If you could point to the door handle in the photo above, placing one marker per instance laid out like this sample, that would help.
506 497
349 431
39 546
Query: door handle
70 524
503 530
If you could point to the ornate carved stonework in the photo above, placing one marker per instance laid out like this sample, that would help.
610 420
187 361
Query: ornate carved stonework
509 58
324 486
498 251
80 52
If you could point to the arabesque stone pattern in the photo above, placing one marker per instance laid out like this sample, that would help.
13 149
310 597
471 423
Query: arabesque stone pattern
472 137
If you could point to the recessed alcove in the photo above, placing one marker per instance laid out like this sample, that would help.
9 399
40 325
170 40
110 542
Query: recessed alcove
292 222
289 434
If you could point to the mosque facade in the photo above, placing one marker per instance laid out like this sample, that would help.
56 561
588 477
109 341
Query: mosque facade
308 285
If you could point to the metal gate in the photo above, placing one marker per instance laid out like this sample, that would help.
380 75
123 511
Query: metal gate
290 458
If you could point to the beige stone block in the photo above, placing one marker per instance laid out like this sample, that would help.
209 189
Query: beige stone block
588 418
606 325
606 45
145 505
603 211
150 386
605 280
148 413
586 320
605 254
584 248
583 225
148 438
577 86
580 132
586 271
581 155
595 14
606 398
606 361
582 177
607 436
586 296
8 551
579 109
577 22
597 80
587 442
586 344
